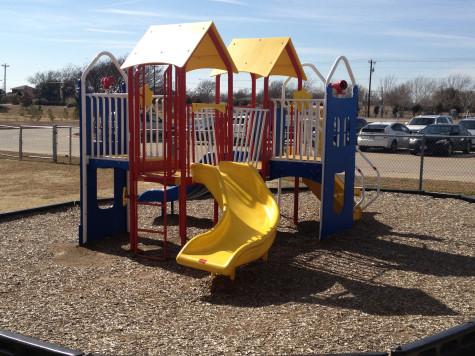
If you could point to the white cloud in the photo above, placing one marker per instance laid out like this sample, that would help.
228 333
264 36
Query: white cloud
232 2
92 42
243 19
431 35
435 39
103 30
161 14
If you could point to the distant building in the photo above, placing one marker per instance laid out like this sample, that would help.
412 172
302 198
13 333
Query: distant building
23 90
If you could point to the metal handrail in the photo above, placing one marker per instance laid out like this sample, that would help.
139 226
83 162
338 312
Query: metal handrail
378 179
363 188
348 69
312 67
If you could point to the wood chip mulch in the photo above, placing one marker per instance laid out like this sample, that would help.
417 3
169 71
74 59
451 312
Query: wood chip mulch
406 271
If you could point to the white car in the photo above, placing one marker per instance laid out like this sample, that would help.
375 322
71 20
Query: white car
387 135
469 124
418 123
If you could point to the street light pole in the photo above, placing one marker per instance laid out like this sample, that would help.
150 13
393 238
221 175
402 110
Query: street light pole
371 70
5 66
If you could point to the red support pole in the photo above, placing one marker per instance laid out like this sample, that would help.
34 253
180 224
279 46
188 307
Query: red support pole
180 88
296 181
132 167
217 95
265 100
218 131
228 127
253 90
230 113
144 119
168 99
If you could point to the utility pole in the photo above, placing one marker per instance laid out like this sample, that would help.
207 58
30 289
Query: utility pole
5 66
371 70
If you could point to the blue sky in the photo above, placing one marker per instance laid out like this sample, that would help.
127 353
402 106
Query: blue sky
406 38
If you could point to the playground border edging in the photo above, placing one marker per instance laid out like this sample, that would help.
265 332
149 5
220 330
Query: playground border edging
73 203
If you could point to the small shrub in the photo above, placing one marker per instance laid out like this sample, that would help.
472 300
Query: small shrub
76 113
51 115
65 114
35 112
26 100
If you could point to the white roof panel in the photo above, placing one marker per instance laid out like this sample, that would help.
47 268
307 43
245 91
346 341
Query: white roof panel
176 44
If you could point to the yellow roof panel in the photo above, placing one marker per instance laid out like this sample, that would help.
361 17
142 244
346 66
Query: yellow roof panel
265 56
187 45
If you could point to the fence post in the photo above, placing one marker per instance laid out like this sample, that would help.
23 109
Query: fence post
20 144
70 142
421 171
55 143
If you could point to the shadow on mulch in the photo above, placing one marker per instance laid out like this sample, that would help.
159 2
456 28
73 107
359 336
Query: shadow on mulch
343 272
340 272
191 221
118 245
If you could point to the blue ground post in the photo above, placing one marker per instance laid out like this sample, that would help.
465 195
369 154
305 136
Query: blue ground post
338 157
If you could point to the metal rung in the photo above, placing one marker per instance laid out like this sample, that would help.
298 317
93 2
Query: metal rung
149 203
152 231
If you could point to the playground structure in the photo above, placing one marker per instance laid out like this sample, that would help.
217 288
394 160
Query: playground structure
181 148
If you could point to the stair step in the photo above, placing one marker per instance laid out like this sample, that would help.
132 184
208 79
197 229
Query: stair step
152 231
148 203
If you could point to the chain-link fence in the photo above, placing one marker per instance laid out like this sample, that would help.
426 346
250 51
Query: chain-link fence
55 142
435 163
445 164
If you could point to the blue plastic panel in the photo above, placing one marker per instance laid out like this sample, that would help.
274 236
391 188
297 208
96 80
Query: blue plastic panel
291 168
338 157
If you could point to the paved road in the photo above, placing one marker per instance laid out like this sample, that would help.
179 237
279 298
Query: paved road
40 141
460 167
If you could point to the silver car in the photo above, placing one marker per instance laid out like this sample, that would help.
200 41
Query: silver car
469 124
418 123
387 135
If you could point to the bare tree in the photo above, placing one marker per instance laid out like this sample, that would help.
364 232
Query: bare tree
387 84
242 97
458 82
204 92
399 96
422 89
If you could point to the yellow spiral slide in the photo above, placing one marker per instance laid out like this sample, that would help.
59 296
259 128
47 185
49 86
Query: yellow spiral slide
248 224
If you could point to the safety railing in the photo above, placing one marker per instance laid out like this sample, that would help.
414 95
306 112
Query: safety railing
152 130
208 136
106 115
203 136
297 129
249 126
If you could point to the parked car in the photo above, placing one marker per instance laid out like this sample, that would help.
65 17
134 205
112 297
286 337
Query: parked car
389 135
441 139
360 123
469 124
418 123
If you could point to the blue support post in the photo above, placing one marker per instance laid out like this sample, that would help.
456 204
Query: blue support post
100 222
338 157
